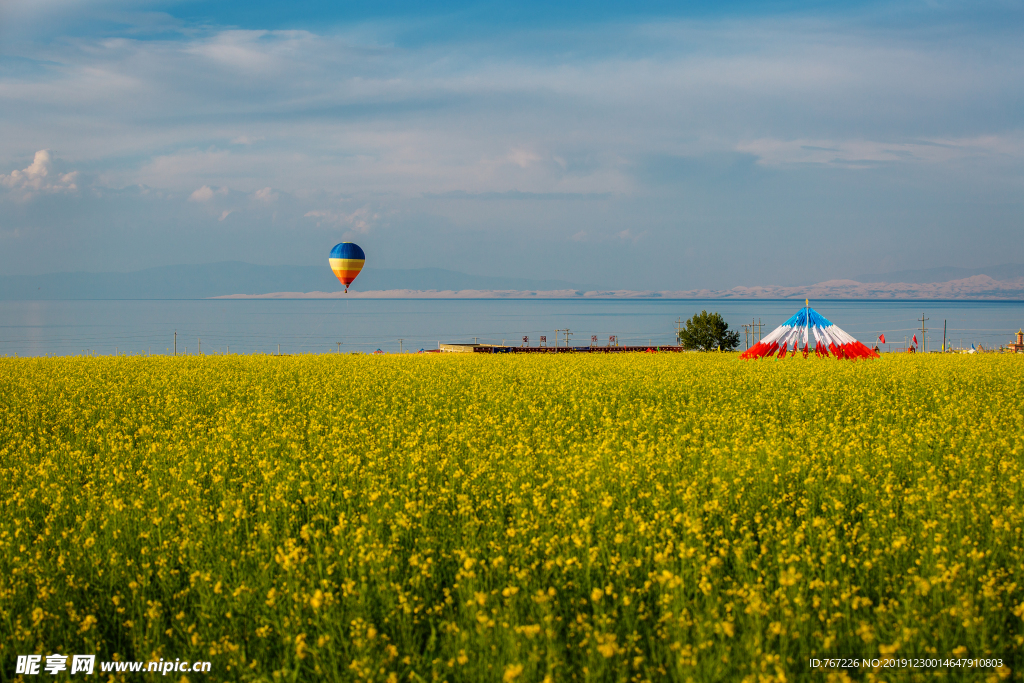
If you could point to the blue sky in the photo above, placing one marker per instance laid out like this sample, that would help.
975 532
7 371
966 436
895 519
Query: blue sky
655 145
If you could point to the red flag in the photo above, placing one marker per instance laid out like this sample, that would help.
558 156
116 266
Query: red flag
881 338
915 340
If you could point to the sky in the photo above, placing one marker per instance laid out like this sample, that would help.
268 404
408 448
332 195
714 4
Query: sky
641 145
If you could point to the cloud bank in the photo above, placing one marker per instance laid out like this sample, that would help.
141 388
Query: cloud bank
711 151
37 177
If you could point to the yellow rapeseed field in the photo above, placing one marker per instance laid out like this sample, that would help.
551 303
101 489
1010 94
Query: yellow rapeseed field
513 518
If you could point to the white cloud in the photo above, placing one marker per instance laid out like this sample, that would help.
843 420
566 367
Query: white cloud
265 195
225 214
628 235
360 221
203 194
40 166
206 193
184 169
36 177
580 236
523 157
248 51
868 153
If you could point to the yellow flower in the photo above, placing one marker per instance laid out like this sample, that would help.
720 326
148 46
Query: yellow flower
512 672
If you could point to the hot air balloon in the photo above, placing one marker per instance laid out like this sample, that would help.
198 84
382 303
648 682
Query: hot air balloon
346 261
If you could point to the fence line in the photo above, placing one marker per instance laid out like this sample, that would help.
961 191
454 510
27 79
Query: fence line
219 343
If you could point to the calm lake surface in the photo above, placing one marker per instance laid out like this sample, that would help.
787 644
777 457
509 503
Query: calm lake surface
36 328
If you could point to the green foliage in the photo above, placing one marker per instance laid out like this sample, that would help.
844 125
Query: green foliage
708 332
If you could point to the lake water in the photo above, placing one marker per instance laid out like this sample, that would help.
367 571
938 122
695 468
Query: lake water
35 328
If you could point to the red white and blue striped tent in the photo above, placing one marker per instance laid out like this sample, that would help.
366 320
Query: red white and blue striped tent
806 326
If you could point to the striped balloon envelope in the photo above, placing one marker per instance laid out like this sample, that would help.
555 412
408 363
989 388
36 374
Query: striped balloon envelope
806 326
346 261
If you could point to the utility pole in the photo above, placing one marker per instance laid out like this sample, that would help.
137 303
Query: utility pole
339 348
279 349
943 336
401 349
754 329
200 345
175 342
679 324
924 340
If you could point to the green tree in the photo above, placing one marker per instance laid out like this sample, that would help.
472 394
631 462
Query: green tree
708 331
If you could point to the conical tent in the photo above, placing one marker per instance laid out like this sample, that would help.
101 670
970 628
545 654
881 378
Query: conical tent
803 327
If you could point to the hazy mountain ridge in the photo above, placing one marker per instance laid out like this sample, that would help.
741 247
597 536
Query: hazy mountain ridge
234 277
976 287
239 280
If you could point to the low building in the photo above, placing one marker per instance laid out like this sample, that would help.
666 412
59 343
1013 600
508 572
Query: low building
1018 346
473 348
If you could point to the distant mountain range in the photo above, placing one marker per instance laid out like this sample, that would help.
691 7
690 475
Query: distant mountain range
976 287
1007 271
234 277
